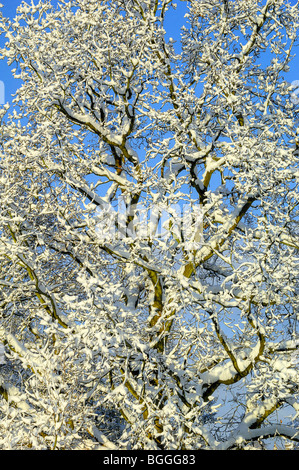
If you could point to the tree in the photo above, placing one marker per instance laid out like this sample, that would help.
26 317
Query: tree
149 226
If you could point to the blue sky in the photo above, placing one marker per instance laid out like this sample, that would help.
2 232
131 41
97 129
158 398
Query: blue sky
10 84
175 19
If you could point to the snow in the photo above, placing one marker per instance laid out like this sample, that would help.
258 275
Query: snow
148 248
2 354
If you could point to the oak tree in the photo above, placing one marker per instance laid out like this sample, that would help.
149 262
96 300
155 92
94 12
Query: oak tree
149 226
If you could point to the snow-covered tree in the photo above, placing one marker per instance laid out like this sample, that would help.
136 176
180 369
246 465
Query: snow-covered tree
149 226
